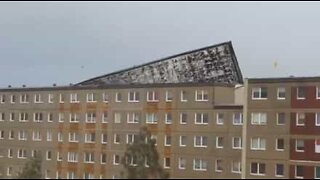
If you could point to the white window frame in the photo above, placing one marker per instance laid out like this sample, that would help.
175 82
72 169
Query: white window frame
88 138
167 96
13 99
11 133
49 135
131 118
315 172
47 156
259 148
23 117
202 93
240 142
91 117
201 162
295 173
166 140
61 98
238 163
73 137
9 171
180 141
130 138
182 98
37 99
217 142
165 162
154 93
103 140
61 117
216 166
73 157
180 163
1 134
316 117
260 94
241 119
22 154
50 98
181 115
115 139
101 155
258 169
74 118
166 118
90 156
154 119
217 119
260 115
2 99
105 115
60 137
275 171
36 117
278 144
297 119
12 117
10 153
278 92
22 135
74 98
2 116
134 98
24 99
105 97
202 145
36 136
117 117
59 158
278 119
202 115
117 97
300 98
296 145
91 98
114 160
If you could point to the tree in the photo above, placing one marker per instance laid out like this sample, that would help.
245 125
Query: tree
32 169
140 153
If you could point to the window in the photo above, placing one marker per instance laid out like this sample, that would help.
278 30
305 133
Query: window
151 118
2 116
116 139
299 172
258 118
37 98
24 98
280 144
152 96
236 143
182 163
168 118
11 135
1 134
183 118
105 117
133 96
105 97
22 154
133 118
281 93
200 165
2 99
167 140
317 172
118 97
61 99
104 138
169 96
91 97
116 159
12 117
71 175
201 95
279 170
72 157
258 144
59 157
299 145
259 93
200 141
219 167
236 167
49 135
50 98
201 118
35 153
281 118
317 120
22 135
49 155
9 171
258 168
61 117
36 136
60 137
10 153
90 137
91 117
301 93
166 163
184 96
130 138
73 137
50 117
23 117
300 119
220 118
219 142
88 176
103 158
37 117
13 99
74 118
74 98
237 118
183 141
117 118
89 157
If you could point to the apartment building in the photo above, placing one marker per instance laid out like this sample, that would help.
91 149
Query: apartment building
188 101
281 128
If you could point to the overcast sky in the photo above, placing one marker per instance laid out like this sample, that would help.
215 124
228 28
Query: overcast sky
42 43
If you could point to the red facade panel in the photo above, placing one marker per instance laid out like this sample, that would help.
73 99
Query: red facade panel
308 172
309 153
308 129
311 100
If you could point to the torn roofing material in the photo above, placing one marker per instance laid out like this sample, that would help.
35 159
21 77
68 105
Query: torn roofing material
212 64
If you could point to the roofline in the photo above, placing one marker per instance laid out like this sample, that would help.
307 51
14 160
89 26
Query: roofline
284 79
235 62
170 57
116 86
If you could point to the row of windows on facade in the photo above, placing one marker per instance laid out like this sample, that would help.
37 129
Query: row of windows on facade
133 96
197 163
133 117
262 93
74 137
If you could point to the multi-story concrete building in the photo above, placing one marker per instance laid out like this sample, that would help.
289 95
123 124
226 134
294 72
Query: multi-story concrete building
207 123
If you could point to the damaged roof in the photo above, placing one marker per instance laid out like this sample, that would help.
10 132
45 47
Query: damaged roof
212 64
